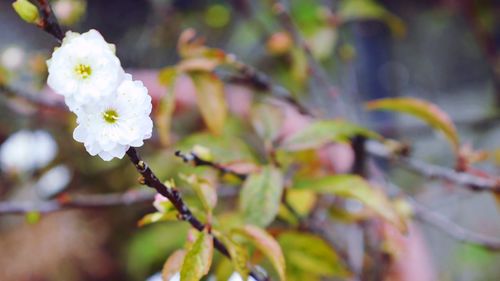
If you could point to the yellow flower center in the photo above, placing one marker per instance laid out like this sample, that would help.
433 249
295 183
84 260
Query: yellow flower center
83 70
110 116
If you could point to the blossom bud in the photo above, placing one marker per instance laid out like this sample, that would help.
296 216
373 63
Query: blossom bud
26 10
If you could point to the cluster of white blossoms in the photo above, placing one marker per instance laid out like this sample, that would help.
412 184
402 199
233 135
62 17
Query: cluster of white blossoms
112 110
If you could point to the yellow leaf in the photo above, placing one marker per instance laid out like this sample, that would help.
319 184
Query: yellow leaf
198 258
157 217
266 244
211 100
427 112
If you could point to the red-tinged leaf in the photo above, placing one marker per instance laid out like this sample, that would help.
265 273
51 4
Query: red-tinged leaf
241 167
157 217
198 258
173 265
211 100
355 187
260 196
266 244
322 132
190 46
427 112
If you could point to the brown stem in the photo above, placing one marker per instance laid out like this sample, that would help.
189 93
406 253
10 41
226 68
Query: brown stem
197 161
49 21
175 198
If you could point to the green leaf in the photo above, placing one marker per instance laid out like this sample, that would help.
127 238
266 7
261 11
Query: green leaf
427 112
260 196
309 253
211 100
204 190
198 258
157 217
173 264
355 187
322 132
266 244
267 120
238 253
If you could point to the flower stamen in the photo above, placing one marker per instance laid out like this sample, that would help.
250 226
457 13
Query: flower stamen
110 116
83 70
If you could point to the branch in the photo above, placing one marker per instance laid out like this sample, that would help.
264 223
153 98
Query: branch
32 98
454 230
197 161
172 194
51 26
258 80
78 202
49 22
439 221
431 171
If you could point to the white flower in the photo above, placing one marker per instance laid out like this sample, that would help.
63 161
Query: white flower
236 277
25 151
108 128
157 277
84 69
12 58
53 181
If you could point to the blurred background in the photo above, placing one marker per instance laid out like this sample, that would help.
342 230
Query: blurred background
443 51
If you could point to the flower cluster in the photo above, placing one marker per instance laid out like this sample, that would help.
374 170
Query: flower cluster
112 110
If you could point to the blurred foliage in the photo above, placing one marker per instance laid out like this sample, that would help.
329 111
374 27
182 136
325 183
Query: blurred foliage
286 157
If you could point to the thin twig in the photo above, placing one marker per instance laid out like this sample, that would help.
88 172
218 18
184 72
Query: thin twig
250 76
197 161
315 69
78 202
454 230
432 171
